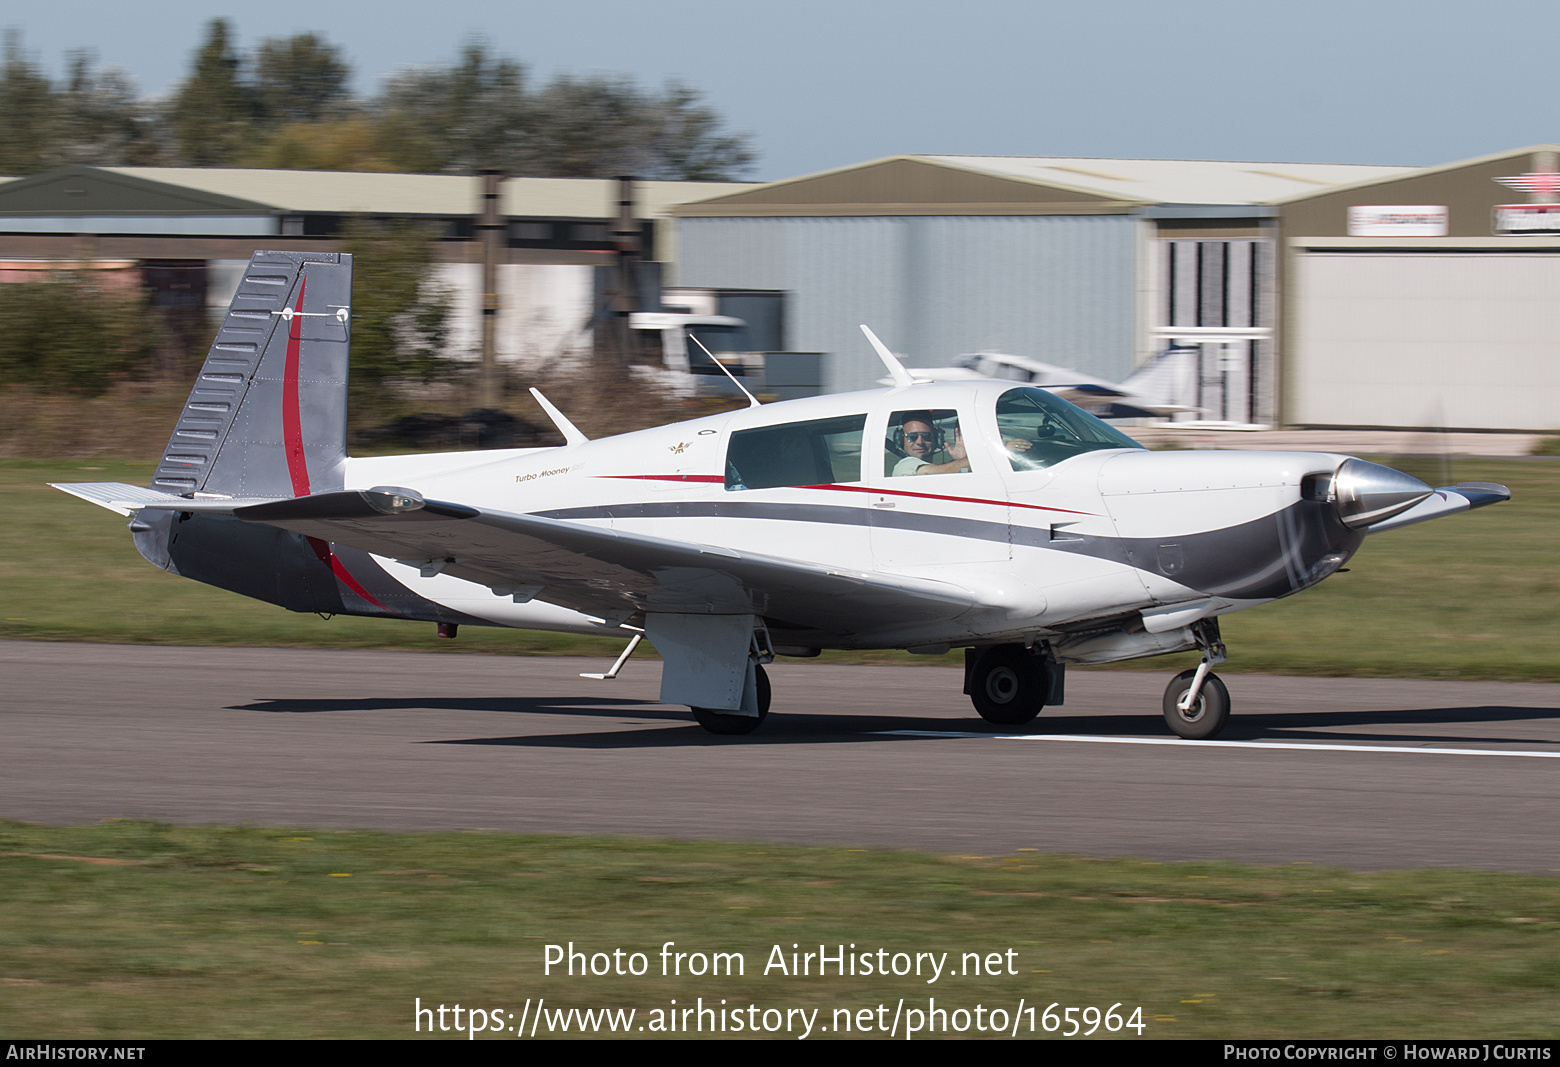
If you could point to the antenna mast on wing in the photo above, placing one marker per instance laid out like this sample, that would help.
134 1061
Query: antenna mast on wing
896 369
571 433
752 400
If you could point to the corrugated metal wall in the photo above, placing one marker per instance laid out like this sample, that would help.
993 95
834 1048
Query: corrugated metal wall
1057 287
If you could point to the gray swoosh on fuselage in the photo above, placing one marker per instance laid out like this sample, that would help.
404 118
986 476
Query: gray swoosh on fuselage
1263 559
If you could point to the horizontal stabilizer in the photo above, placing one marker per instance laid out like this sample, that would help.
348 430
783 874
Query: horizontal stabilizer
122 498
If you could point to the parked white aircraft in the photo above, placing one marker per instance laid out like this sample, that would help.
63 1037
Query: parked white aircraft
983 515
1151 391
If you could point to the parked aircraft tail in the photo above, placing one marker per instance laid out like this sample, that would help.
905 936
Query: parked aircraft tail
268 415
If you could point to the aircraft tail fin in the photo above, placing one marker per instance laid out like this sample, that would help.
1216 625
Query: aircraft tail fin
268 415
1169 379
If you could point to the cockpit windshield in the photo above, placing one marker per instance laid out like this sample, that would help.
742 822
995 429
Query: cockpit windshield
1040 429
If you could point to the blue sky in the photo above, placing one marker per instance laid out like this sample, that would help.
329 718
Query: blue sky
824 84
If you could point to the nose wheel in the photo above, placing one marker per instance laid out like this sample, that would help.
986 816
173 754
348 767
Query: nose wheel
1206 713
1196 703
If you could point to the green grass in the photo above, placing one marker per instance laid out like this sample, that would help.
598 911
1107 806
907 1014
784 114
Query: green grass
137 929
1471 596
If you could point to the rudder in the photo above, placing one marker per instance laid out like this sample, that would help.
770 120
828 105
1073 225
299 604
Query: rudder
268 414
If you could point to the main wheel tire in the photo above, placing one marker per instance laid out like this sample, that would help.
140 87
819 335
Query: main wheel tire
1008 685
727 724
1205 718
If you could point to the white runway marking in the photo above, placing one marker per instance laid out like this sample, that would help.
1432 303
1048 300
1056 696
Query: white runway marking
1178 742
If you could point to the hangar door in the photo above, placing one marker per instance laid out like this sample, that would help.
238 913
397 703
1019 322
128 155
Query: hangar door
1456 339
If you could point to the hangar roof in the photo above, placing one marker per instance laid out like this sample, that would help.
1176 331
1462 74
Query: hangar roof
98 191
1470 191
1023 185
351 192
1428 172
204 190
1180 181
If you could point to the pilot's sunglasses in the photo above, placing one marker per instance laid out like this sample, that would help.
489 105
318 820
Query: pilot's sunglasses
919 436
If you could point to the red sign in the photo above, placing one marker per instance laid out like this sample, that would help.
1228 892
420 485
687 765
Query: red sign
1533 182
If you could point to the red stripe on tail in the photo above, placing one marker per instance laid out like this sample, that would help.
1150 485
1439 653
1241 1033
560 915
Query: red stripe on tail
292 423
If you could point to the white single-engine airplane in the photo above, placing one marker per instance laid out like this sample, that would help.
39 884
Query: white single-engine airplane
926 516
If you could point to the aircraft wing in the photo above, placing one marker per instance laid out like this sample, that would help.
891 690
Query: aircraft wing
608 574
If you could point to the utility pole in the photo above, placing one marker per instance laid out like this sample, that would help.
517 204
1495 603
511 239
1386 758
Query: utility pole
492 231
625 296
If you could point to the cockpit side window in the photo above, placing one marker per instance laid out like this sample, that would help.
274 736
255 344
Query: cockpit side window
924 442
817 452
1040 429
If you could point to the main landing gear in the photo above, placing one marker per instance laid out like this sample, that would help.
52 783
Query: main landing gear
720 722
1197 705
1009 684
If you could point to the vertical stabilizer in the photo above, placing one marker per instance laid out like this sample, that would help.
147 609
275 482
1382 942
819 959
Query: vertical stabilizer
268 414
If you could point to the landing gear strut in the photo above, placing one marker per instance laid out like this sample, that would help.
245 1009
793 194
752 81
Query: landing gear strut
1196 704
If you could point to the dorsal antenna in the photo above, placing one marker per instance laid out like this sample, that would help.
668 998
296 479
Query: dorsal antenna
571 433
752 400
896 369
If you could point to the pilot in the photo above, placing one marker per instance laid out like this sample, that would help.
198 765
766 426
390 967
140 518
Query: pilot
922 440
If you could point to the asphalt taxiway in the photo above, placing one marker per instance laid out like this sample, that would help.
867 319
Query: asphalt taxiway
1362 773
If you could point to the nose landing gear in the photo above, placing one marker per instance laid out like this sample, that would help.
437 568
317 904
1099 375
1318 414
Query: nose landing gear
1196 704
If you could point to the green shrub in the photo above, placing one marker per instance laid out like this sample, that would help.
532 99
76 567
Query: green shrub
401 316
68 335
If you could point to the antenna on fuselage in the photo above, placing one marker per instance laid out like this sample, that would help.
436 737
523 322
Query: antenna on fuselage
896 369
571 433
752 400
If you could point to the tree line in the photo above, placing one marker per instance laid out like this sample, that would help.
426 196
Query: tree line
288 103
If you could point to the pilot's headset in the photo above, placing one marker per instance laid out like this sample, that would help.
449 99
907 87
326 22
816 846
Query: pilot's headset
918 416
